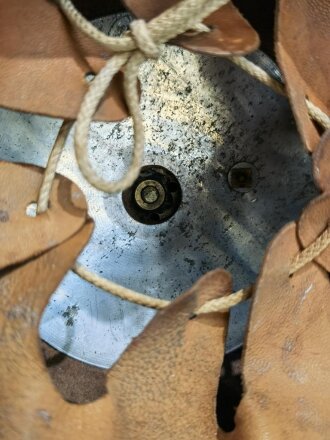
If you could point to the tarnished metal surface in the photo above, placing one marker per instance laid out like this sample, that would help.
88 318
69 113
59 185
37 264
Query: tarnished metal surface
202 116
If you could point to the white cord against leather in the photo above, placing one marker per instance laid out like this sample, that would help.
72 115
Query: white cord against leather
318 115
225 303
144 42
49 175
178 19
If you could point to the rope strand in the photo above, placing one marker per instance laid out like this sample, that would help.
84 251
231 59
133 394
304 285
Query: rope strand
118 290
259 74
311 252
49 174
220 305
318 115
225 303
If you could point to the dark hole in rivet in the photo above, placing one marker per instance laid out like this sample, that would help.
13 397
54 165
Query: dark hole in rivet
173 186
154 197
242 177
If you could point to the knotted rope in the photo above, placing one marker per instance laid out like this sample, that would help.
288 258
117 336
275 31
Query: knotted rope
142 42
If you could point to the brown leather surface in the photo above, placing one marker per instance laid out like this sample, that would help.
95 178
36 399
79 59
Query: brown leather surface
286 361
44 62
321 160
165 384
303 50
163 387
314 220
29 405
29 236
231 33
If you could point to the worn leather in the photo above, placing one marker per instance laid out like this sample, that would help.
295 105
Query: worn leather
163 387
286 361
303 51
44 62
314 220
30 407
321 160
28 236
231 33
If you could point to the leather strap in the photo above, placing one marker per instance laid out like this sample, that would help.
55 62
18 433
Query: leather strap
303 51
172 357
230 32
29 404
44 63
23 237
286 359
165 385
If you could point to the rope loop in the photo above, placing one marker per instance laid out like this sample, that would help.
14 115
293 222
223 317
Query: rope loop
142 42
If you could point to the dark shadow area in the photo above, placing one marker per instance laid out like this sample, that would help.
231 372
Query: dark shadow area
230 390
261 16
98 8
76 381
81 383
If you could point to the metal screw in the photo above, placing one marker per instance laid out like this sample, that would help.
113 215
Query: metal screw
149 195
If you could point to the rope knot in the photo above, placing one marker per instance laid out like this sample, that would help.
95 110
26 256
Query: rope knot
143 39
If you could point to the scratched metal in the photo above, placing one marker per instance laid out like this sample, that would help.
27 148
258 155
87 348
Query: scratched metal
202 116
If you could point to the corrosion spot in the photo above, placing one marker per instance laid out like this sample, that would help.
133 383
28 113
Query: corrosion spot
70 313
